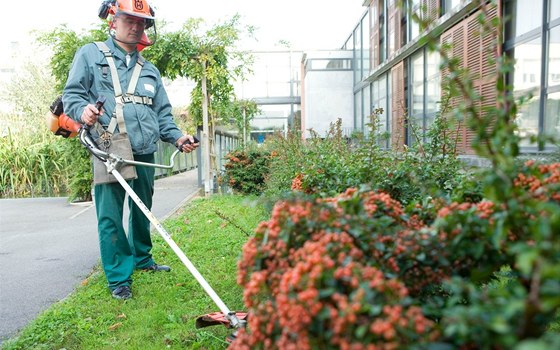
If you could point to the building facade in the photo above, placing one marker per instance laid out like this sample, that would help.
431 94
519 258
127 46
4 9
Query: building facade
327 85
394 70
275 86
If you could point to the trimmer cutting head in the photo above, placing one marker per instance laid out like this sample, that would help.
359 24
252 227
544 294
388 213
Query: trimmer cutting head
236 320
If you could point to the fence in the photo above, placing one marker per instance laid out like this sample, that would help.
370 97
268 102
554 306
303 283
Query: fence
223 143
183 161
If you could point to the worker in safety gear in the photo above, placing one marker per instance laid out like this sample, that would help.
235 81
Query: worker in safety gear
147 116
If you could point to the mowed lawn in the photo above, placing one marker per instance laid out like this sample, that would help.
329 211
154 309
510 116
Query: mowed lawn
161 315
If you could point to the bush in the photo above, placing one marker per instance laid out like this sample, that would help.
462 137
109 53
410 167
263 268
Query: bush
80 178
32 164
246 169
328 166
311 280
359 269
287 153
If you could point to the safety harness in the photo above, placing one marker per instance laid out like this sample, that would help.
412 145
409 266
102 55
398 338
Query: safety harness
129 97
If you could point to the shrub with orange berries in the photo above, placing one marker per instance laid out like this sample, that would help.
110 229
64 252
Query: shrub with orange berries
360 271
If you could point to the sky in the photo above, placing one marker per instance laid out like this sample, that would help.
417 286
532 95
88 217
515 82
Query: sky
305 24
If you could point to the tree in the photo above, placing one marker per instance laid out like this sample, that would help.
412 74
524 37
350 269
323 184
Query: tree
64 42
29 91
185 52
210 59
243 111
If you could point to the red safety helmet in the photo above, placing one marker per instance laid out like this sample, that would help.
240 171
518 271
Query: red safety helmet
136 8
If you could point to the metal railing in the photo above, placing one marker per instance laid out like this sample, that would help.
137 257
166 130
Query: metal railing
183 161
224 142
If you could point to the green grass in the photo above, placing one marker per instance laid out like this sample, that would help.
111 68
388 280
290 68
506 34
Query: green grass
162 313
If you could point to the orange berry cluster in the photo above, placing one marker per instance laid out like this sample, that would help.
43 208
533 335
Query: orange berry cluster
307 280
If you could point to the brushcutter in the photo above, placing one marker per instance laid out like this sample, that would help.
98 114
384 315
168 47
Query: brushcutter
113 162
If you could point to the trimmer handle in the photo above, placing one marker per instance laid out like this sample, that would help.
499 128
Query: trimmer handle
188 142
98 104
86 139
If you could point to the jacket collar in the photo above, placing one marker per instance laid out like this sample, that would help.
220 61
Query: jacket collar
118 51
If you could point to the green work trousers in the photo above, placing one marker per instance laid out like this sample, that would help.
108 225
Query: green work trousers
121 254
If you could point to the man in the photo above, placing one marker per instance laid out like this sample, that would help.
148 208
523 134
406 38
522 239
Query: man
147 117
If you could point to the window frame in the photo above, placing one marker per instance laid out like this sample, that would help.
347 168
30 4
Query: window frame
545 89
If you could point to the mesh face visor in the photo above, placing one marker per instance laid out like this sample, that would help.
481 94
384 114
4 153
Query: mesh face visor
149 34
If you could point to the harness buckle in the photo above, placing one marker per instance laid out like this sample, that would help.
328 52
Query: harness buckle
105 135
105 138
106 144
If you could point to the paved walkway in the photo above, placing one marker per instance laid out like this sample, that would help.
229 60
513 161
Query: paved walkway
48 246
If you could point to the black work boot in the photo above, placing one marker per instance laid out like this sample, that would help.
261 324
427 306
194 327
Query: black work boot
156 267
122 292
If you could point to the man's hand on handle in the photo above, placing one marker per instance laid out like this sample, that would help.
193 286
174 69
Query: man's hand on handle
187 143
91 114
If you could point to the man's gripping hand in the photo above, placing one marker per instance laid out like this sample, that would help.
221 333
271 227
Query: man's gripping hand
91 114
187 143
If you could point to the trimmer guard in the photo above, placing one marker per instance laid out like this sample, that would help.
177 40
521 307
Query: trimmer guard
217 318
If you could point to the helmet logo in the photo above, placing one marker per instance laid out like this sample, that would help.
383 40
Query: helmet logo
139 5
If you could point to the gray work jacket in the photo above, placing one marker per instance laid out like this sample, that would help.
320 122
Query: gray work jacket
90 77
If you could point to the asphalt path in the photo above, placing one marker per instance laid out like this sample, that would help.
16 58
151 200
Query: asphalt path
48 246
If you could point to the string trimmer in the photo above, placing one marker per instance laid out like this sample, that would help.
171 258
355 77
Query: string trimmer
113 162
